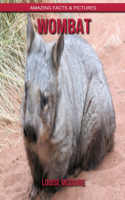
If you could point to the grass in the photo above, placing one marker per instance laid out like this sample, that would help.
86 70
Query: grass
12 64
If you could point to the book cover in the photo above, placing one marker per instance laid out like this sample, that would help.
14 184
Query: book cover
102 25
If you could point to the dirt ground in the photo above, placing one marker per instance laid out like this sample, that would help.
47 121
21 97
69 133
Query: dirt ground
107 181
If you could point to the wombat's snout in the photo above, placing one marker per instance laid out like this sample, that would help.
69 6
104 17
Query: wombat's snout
30 133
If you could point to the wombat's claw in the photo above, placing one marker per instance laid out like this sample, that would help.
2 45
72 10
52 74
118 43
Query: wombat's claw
34 191
46 195
77 171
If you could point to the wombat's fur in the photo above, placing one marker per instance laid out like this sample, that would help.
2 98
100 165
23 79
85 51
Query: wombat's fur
67 112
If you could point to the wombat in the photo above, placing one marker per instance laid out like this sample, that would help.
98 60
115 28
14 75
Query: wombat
67 112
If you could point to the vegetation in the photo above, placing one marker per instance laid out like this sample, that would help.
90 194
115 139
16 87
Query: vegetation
12 64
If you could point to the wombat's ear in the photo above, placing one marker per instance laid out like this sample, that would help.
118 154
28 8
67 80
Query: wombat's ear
58 50
30 33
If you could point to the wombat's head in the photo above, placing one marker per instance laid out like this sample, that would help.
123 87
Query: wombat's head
40 94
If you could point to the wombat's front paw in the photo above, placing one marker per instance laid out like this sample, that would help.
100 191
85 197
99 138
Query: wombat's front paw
46 195
78 170
35 190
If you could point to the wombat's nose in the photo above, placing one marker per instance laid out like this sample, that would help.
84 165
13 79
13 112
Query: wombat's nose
30 133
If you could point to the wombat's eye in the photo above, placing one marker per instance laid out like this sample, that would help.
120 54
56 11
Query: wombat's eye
44 101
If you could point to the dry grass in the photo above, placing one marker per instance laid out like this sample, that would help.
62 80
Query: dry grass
12 64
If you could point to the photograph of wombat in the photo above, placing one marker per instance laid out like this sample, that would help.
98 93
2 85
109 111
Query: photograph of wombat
68 117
